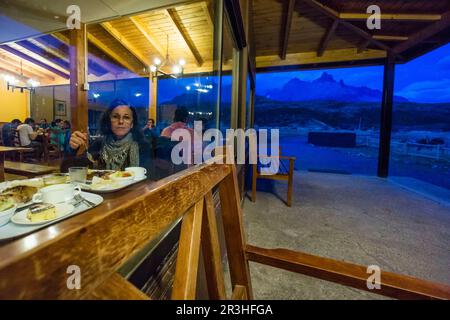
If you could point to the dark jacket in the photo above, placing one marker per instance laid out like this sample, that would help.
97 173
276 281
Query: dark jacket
145 157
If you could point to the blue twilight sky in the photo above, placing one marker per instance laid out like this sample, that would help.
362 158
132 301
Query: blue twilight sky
425 79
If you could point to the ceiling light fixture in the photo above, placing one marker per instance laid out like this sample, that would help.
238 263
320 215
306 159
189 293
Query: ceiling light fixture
176 68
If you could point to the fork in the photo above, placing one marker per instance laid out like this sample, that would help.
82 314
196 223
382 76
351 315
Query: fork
85 201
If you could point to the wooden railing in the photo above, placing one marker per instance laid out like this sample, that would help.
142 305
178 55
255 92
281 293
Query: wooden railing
101 240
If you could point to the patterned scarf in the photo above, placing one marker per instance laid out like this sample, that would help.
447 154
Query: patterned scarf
119 154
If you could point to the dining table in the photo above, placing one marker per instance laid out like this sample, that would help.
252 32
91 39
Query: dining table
3 151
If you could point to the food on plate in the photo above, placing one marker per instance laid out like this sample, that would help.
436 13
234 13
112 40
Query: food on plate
41 212
103 174
19 194
122 176
6 203
34 182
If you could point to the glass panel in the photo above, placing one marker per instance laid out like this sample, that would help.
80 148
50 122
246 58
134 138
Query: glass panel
228 76
198 94
420 147
248 102
329 119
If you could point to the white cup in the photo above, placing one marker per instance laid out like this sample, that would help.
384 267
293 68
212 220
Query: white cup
139 172
57 193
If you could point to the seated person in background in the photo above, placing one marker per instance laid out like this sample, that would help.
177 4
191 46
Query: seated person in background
28 137
8 132
180 122
66 127
43 124
122 144
150 129
57 134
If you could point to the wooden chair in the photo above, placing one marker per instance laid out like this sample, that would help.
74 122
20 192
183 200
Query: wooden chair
21 155
284 173
97 243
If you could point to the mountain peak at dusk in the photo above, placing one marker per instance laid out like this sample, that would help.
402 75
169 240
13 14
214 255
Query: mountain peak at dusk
326 88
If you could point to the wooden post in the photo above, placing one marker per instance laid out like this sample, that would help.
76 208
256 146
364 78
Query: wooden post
234 232
386 117
78 77
153 98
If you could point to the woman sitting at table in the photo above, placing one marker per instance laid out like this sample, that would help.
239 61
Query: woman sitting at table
122 144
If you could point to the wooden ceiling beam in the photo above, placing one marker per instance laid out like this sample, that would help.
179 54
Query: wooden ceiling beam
26 67
286 24
148 35
34 61
127 44
174 19
327 37
333 14
103 47
392 16
363 46
424 34
98 67
45 54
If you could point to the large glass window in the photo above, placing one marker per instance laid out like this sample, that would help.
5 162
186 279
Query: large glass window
329 119
420 148
197 93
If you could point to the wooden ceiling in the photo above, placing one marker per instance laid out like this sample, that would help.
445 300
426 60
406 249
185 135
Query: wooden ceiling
286 34
123 47
319 33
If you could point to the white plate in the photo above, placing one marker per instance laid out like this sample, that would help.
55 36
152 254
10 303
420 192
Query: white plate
112 187
62 210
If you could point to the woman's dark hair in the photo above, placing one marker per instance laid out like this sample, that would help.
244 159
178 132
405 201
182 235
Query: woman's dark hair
105 120
181 114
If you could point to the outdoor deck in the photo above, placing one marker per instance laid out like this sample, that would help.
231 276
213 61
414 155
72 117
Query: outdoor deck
358 219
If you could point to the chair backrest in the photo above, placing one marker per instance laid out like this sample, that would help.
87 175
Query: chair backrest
15 138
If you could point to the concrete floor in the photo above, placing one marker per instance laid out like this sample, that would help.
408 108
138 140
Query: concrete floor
358 219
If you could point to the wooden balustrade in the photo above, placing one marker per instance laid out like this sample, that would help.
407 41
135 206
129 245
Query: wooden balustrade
101 240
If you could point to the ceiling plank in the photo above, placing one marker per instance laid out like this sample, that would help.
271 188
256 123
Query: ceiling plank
174 20
208 14
335 15
327 37
424 34
15 69
102 46
392 16
389 38
329 56
127 44
286 24
147 34
34 61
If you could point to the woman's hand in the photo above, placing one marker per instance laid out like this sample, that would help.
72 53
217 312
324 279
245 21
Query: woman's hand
79 141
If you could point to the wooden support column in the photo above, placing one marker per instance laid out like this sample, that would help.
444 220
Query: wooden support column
78 77
153 98
386 117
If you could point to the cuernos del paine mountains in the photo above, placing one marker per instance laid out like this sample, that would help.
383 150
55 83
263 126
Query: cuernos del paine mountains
325 88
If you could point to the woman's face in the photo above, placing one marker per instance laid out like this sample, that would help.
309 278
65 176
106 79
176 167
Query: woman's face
121 121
